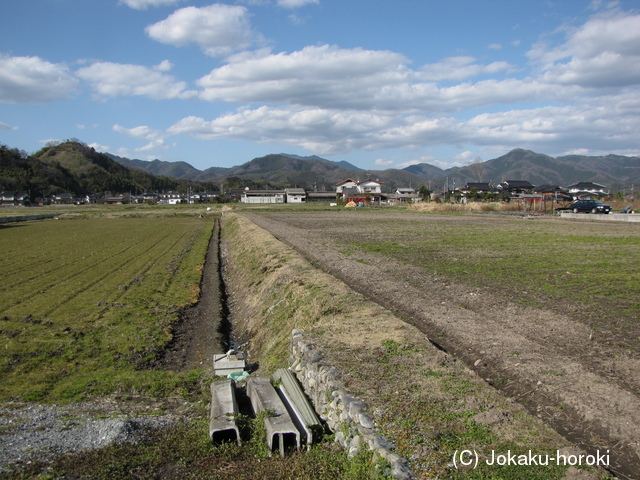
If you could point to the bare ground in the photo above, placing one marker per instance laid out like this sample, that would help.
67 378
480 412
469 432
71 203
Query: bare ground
585 387
203 329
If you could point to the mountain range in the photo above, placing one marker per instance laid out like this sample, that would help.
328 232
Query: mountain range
616 172
76 168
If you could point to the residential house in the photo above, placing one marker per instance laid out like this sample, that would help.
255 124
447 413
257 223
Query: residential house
171 198
62 198
235 194
475 191
480 187
117 200
209 196
345 184
94 198
554 193
15 199
369 186
359 192
402 195
515 187
587 190
148 198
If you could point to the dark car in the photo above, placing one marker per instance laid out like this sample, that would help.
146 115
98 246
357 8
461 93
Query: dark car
593 206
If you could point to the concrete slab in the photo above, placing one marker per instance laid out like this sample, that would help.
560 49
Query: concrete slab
224 407
599 217
281 430
226 363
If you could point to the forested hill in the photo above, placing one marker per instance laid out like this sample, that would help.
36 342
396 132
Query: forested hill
73 167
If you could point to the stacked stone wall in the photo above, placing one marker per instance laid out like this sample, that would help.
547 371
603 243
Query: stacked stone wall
343 413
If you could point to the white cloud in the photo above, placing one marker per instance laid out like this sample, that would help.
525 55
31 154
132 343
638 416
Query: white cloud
154 145
331 77
5 126
117 79
219 30
589 123
99 148
423 159
164 66
154 137
322 131
316 76
460 68
381 162
142 131
602 53
495 46
464 156
33 80
144 4
331 100
296 3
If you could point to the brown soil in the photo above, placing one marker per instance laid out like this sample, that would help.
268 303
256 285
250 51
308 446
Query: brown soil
586 389
202 328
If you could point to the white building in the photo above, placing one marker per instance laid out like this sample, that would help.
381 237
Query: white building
587 190
369 186
296 195
345 184
263 196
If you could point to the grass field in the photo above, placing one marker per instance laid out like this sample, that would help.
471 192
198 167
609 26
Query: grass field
87 303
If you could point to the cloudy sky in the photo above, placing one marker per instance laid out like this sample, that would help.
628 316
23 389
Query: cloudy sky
381 84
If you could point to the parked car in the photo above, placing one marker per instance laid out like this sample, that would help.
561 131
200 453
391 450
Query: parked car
593 206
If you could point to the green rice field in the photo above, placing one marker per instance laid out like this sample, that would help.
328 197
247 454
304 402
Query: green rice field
87 304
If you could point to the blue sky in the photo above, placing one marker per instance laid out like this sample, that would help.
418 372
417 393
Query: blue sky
381 84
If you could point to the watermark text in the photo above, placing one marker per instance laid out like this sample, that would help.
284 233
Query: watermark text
470 458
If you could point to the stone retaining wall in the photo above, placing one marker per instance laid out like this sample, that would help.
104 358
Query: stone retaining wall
344 414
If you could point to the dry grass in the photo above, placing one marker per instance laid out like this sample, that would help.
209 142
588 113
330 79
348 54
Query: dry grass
437 207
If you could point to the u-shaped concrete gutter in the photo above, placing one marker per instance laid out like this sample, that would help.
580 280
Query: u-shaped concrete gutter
303 415
224 408
278 423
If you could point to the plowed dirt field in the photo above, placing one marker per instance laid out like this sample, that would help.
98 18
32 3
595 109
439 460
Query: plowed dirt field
574 364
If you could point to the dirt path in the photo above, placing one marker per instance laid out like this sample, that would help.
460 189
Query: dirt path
585 389
203 330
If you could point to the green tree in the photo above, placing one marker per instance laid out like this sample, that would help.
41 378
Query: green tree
424 193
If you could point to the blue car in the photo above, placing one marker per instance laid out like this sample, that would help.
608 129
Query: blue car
589 206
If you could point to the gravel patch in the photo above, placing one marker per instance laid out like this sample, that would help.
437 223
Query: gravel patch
41 432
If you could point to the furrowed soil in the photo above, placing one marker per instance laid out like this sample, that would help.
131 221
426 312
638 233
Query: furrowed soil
578 372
